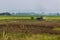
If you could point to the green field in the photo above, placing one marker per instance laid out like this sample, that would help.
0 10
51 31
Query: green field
29 17
15 17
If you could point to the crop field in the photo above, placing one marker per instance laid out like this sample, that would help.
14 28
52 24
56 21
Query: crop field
54 18
29 17
25 28
15 17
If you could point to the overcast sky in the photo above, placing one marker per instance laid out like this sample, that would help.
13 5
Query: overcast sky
29 5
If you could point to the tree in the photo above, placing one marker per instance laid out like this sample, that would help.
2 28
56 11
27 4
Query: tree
5 13
57 13
32 18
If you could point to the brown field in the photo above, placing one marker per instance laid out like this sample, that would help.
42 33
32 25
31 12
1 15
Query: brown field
30 26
